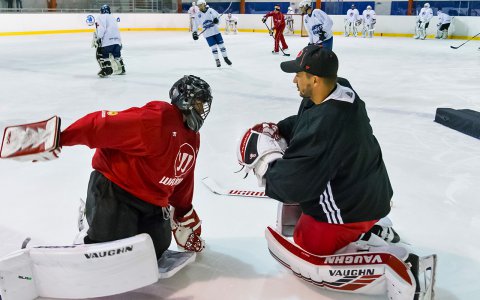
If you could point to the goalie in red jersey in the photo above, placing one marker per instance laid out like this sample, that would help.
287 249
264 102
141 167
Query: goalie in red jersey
277 29
144 163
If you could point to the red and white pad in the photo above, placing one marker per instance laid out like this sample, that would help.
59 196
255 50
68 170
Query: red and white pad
371 273
80 271
32 142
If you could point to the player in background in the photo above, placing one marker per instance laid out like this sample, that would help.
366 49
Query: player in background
192 12
207 18
369 20
231 23
423 19
277 28
144 163
318 24
289 21
352 20
444 21
109 44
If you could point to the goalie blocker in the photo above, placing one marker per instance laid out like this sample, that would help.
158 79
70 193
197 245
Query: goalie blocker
376 272
32 142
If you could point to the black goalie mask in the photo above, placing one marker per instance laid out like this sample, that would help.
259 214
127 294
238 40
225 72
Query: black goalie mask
193 97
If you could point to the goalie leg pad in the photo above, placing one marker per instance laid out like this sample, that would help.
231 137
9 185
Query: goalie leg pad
287 218
370 273
83 271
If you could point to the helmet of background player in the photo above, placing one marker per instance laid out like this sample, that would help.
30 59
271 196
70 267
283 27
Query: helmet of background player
290 8
304 5
192 95
202 5
193 3
276 7
229 15
105 9
369 7
353 6
427 5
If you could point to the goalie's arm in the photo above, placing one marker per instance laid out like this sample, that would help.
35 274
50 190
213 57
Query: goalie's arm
105 129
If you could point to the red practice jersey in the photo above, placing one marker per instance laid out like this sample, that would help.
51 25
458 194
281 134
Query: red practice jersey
278 20
147 151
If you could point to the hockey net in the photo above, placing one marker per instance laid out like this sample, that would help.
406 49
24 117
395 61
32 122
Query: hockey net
295 26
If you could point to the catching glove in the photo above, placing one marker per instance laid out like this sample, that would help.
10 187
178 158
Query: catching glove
187 230
195 35
255 151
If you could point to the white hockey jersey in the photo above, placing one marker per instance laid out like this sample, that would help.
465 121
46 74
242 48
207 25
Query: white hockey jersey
369 16
352 15
107 30
205 20
443 18
425 14
315 23
193 10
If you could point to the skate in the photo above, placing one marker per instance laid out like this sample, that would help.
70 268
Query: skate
228 61
218 63
102 74
275 52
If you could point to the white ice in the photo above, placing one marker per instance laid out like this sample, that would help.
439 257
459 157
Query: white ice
434 170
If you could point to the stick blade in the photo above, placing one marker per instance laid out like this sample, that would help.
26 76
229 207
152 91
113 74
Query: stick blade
453 47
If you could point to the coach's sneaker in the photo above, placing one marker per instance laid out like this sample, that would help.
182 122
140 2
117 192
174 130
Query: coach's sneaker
228 61
218 63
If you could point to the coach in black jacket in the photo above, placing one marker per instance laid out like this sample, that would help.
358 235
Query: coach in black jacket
333 165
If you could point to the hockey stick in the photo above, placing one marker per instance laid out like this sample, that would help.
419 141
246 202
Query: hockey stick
216 189
453 47
269 30
217 18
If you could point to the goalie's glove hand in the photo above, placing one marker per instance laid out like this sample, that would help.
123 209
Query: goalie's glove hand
271 129
187 230
264 19
255 151
215 20
195 35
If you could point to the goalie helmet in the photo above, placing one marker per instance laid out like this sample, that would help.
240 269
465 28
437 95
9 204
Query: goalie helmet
105 9
192 95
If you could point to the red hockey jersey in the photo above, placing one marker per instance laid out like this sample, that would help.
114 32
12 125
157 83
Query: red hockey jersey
278 20
147 151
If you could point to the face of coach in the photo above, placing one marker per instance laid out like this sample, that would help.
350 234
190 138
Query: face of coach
316 72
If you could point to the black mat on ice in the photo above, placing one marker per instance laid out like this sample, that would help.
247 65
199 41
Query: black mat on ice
464 120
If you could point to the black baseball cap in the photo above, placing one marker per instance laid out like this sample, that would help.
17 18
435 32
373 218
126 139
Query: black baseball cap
313 59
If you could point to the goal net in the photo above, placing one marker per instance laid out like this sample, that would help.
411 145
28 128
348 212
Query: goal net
294 25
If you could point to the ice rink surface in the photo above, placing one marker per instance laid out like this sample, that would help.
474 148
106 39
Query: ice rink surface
435 171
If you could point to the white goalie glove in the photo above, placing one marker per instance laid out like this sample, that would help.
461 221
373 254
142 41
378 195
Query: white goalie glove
32 142
259 146
187 230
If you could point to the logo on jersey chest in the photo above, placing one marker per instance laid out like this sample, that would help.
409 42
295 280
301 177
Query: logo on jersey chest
184 161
